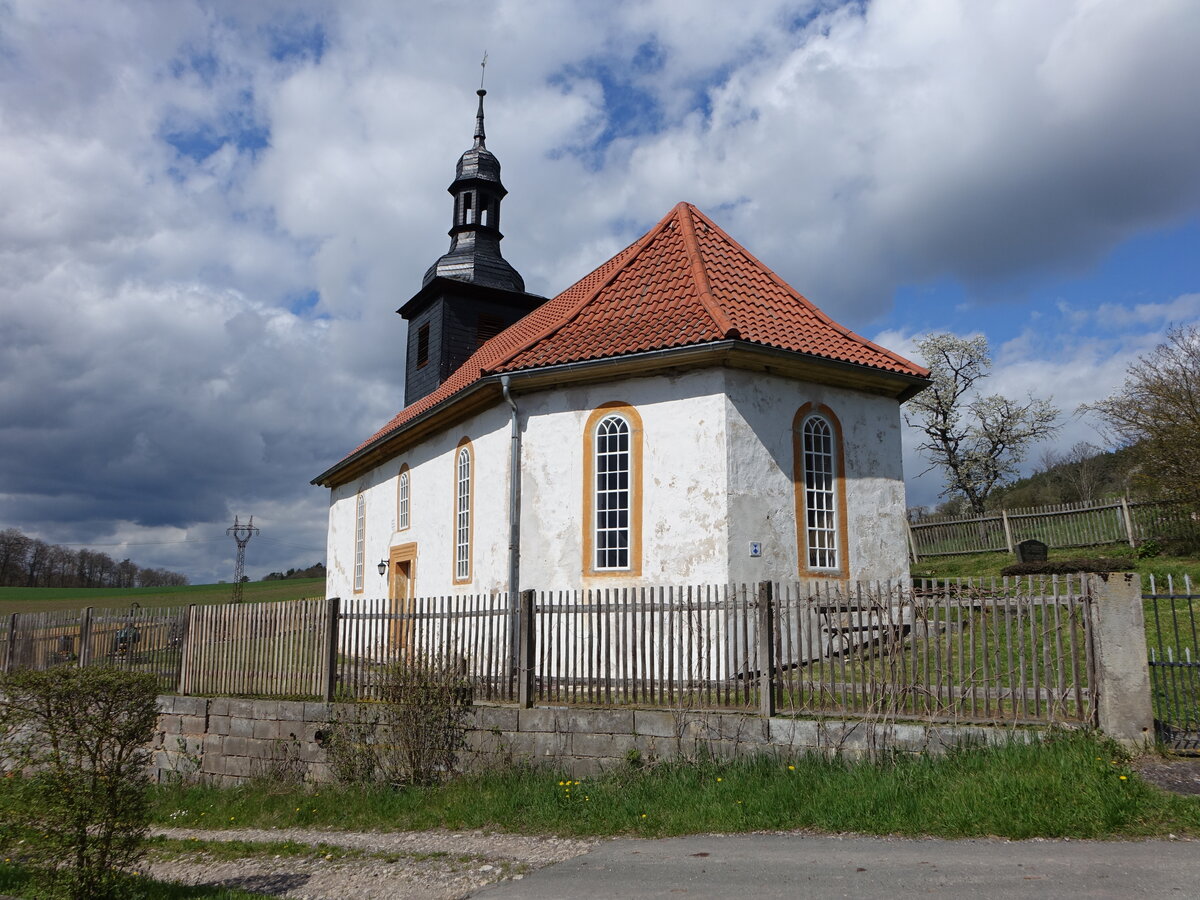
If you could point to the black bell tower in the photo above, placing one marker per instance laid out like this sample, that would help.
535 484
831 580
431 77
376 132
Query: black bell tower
471 293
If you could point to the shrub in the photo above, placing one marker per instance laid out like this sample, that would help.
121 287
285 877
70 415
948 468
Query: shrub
75 740
1069 566
412 735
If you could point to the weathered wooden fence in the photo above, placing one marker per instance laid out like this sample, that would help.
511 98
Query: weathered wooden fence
1084 524
1015 650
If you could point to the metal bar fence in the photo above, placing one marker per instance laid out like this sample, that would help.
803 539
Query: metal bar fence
1174 649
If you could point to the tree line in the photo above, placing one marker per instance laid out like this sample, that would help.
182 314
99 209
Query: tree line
317 570
31 562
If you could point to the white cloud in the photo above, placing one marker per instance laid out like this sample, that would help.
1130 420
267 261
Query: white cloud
179 179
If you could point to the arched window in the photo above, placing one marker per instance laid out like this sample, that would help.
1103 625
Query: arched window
402 500
820 492
360 540
612 498
462 512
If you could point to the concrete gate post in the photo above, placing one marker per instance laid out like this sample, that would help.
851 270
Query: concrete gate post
1122 685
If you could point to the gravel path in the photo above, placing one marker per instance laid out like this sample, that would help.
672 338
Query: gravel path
432 864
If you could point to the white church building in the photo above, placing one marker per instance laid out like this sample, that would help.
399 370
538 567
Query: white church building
680 415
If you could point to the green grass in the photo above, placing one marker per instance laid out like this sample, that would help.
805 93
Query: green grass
1070 786
21 600
22 881
988 565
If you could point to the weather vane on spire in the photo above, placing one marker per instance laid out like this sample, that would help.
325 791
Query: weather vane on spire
483 67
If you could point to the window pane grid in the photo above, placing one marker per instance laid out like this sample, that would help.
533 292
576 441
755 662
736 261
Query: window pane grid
612 516
820 508
402 514
360 535
462 549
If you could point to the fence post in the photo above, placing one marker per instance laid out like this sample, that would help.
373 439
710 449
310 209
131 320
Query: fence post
1007 530
912 541
331 645
11 654
185 650
526 651
1128 519
1121 694
85 638
766 649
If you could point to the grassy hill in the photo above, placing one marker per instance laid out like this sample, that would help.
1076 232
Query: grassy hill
20 600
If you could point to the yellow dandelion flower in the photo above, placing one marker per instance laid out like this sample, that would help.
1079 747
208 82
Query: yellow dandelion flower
643 815
719 779
791 768
1123 778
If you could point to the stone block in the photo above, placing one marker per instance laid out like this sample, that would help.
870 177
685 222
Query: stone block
319 712
238 746
170 723
265 729
797 735
265 709
503 717
543 745
191 706
600 721
542 719
241 726
320 773
241 708
242 766
593 745
218 724
165 703
291 711
218 706
655 723
213 743
193 724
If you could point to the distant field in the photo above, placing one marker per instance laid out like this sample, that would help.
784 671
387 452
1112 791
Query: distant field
19 600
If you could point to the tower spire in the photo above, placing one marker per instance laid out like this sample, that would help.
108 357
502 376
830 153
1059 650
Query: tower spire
479 135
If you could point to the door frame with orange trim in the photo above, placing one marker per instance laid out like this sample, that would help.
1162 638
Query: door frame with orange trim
402 579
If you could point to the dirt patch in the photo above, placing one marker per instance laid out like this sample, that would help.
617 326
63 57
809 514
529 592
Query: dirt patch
1178 774
439 865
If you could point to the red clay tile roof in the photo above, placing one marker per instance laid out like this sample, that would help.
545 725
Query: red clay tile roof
685 282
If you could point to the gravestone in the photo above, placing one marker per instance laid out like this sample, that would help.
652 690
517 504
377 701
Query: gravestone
1031 551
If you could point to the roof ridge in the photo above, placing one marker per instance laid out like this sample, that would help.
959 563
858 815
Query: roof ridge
556 324
700 272
808 304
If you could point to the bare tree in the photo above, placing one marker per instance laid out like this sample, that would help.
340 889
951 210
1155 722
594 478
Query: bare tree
977 441
1157 412
1079 469
14 547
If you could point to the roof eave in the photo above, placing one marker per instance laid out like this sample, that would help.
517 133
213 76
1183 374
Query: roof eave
735 354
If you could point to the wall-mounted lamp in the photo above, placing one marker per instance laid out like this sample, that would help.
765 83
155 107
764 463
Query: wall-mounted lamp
383 564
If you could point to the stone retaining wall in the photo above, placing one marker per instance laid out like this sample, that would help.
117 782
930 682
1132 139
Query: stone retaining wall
227 741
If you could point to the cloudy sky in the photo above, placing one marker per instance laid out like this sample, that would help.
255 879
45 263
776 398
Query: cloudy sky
209 211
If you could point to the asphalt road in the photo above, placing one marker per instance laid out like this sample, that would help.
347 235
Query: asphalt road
769 866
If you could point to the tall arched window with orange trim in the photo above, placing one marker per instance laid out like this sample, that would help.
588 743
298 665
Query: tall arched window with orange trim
612 498
463 522
360 541
403 501
820 491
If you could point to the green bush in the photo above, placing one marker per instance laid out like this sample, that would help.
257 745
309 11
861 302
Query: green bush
1070 566
411 736
74 742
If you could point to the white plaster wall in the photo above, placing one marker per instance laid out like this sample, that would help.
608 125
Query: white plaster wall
684 520
760 411
432 485
717 474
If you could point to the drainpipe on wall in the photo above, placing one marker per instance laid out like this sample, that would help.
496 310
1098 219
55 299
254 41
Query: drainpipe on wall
514 525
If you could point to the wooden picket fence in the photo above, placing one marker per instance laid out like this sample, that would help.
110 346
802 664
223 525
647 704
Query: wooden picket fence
1083 524
1012 651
